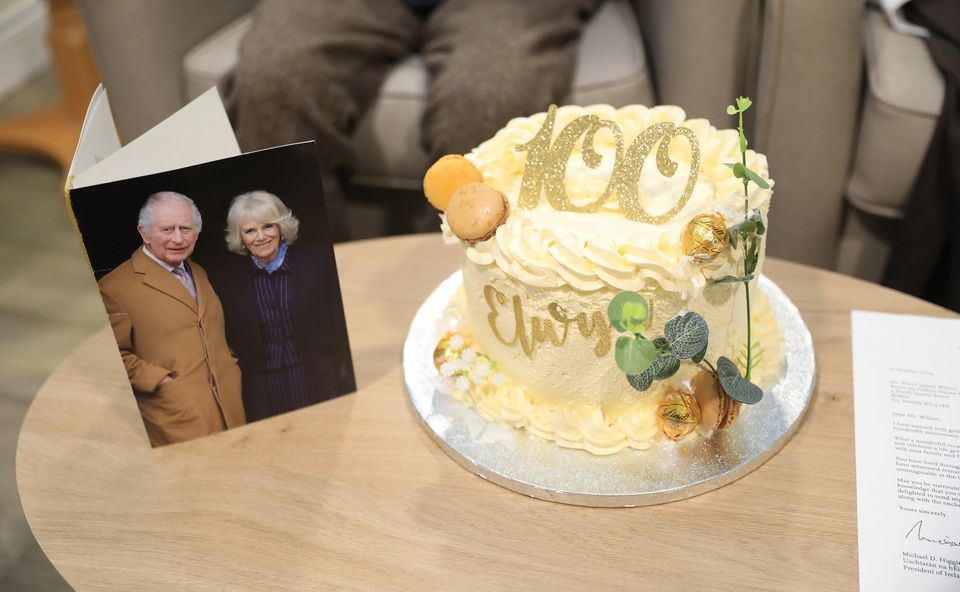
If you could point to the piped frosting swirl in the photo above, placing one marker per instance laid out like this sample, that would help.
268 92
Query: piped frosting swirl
546 248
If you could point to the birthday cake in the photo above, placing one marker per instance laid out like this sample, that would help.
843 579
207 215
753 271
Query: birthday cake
610 260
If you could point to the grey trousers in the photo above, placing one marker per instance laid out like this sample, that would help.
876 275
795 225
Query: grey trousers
309 69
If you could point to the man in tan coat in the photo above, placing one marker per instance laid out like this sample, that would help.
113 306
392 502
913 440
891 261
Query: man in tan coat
169 326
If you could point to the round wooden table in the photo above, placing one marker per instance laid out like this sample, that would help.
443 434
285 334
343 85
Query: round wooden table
352 494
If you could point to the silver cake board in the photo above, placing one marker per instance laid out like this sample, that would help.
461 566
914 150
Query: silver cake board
668 472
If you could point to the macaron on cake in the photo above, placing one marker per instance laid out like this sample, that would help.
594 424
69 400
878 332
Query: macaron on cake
718 410
446 176
473 209
475 212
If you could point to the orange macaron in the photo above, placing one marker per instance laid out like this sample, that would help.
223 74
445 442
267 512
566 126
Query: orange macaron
445 176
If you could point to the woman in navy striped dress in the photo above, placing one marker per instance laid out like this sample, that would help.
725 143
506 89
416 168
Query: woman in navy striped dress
283 310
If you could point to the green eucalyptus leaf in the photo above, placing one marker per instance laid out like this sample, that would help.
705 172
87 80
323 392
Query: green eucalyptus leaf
628 311
665 366
760 181
731 279
687 334
732 235
735 385
739 171
747 228
750 262
730 165
698 357
752 257
743 142
743 103
758 220
642 381
634 354
731 110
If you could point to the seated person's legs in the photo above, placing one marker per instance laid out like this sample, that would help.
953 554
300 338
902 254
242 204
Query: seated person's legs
494 60
309 69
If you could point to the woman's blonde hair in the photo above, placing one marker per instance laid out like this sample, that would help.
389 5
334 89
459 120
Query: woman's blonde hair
262 207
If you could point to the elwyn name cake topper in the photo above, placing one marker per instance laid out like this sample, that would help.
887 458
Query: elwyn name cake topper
546 165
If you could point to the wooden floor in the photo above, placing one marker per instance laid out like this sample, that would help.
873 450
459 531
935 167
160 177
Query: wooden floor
48 305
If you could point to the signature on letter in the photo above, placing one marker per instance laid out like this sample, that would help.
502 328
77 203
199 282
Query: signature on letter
945 540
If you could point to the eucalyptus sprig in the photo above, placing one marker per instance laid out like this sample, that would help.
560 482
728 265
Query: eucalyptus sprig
748 232
686 335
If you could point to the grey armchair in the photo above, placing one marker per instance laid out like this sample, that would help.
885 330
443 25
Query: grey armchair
801 62
903 98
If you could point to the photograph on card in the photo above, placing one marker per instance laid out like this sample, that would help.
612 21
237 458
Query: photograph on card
221 288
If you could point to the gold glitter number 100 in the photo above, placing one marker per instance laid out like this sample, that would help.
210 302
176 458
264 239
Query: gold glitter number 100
546 165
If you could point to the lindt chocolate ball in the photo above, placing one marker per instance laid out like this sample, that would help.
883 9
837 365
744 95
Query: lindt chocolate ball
448 174
678 415
704 237
475 211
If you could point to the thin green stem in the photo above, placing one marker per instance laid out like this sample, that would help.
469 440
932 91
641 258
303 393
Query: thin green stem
746 285
746 181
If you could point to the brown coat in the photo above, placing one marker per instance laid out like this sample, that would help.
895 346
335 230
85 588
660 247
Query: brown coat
161 330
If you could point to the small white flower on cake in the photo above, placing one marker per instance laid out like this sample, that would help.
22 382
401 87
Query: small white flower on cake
481 369
447 369
452 367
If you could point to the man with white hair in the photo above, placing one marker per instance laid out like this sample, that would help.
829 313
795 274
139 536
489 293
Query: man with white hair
169 326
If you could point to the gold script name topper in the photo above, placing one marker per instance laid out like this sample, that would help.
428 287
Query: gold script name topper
546 165
542 330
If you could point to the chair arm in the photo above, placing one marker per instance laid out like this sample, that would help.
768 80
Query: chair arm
702 52
139 47
808 98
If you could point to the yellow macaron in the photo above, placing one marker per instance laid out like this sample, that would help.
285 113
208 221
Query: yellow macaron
446 176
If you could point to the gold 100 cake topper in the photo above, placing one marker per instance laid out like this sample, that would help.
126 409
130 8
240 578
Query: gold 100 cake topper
546 165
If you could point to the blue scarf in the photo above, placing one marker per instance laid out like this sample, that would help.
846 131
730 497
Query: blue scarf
277 261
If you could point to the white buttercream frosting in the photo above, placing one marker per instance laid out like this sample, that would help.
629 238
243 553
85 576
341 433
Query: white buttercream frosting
578 422
546 248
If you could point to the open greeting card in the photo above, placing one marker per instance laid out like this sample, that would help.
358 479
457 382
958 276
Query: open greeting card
216 269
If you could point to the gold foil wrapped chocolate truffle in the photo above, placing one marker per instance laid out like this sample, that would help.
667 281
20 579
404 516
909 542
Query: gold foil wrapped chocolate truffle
717 409
678 416
475 212
448 348
448 174
704 237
